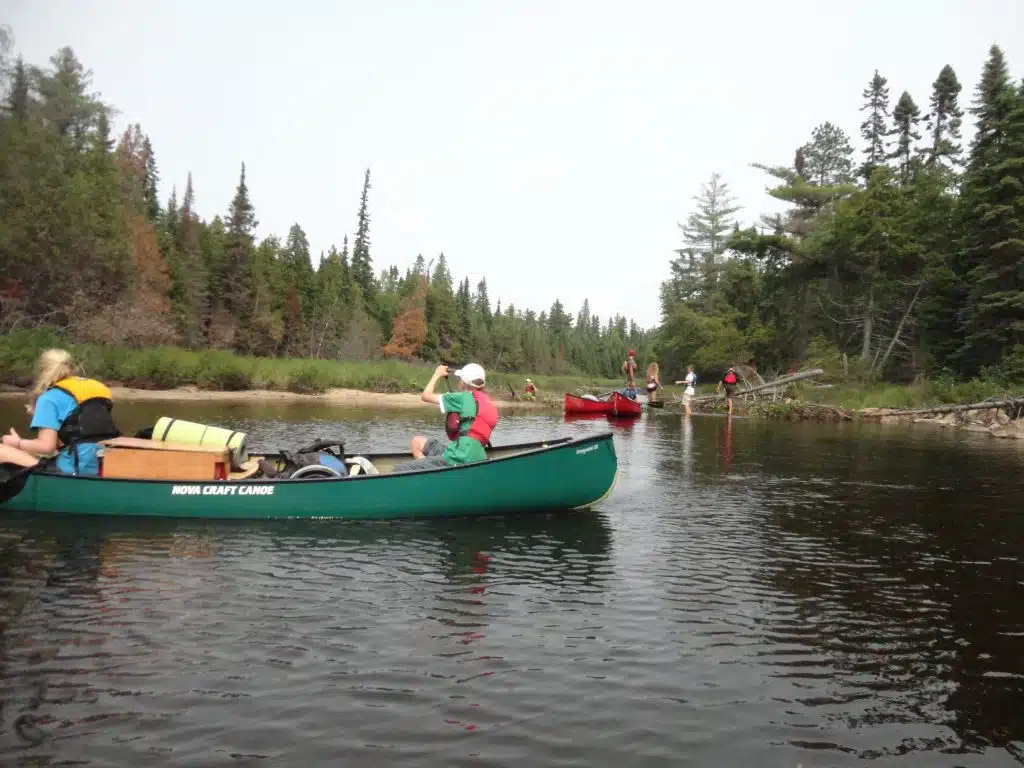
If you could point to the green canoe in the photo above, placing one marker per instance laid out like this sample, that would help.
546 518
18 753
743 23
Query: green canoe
554 475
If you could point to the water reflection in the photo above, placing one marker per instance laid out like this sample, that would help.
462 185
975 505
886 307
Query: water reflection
751 594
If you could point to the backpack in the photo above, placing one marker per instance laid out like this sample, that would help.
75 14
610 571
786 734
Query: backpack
730 378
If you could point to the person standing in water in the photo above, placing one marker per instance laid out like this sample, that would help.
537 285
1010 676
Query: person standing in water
653 382
730 381
691 388
629 368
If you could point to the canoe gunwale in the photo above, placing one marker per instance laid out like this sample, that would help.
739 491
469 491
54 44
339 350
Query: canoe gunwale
521 450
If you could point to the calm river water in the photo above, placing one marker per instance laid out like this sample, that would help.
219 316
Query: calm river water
752 594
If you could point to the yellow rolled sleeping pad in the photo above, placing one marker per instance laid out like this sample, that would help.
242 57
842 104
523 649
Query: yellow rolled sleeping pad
170 430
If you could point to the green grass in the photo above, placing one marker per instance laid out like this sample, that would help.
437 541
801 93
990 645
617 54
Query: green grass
219 370
924 394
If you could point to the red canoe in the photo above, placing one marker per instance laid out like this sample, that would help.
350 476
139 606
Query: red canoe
616 405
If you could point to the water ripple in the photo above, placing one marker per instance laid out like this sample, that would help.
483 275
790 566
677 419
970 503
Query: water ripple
750 594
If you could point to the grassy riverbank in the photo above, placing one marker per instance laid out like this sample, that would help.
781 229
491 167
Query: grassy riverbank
167 368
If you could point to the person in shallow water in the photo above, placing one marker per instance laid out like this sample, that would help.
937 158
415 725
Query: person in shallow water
68 412
730 381
629 368
691 389
471 417
653 382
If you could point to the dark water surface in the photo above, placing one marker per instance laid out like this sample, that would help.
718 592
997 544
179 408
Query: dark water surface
752 594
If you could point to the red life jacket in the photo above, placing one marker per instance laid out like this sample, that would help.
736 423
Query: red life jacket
480 426
730 378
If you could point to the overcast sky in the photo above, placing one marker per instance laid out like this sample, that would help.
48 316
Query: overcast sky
551 146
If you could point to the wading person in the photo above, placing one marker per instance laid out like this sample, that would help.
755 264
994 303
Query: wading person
470 417
70 414
530 390
653 382
629 368
730 381
690 381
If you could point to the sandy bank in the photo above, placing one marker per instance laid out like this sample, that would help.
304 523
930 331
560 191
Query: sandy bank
352 398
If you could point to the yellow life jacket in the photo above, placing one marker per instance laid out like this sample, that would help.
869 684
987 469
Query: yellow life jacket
84 390
93 419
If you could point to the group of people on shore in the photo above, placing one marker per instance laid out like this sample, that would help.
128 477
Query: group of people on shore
729 381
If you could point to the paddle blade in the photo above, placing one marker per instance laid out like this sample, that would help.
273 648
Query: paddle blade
12 481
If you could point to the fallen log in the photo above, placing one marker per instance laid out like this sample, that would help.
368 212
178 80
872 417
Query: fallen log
1016 403
776 384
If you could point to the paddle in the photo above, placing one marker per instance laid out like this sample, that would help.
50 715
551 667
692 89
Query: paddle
12 480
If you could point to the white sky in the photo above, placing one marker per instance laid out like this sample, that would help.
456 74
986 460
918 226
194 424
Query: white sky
549 145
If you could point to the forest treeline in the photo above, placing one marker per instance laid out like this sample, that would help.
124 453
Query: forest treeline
89 246
902 260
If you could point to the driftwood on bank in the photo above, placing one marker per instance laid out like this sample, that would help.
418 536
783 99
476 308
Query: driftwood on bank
1015 403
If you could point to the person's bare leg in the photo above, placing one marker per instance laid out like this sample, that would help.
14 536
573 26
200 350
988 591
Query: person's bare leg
9 455
418 444
730 405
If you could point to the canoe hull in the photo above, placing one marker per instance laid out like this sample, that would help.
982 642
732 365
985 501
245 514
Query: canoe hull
559 475
623 406
576 404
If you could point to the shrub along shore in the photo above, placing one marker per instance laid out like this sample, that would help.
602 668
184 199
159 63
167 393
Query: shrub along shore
169 371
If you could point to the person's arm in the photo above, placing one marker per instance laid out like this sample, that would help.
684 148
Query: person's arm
428 395
45 442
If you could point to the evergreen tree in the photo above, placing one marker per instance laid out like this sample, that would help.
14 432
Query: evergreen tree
993 209
65 104
190 281
362 264
19 98
873 129
483 302
827 160
944 119
905 117
232 289
708 228
151 183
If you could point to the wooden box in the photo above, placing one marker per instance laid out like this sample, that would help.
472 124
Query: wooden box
129 457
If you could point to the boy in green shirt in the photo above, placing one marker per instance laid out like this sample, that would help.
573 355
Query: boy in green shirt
476 415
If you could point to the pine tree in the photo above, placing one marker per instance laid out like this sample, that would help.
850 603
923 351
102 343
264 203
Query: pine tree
827 159
150 183
362 264
993 319
873 129
707 229
103 144
189 274
19 99
906 116
944 120
65 105
233 283
483 302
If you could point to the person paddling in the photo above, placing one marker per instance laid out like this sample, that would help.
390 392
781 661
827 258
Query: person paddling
69 413
629 368
691 388
471 417
730 381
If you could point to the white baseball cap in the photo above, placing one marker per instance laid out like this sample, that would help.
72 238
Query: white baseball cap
472 374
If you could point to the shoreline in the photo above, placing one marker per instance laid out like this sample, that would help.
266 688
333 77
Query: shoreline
352 398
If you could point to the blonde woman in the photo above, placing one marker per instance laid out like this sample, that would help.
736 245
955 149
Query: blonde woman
70 414
653 382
